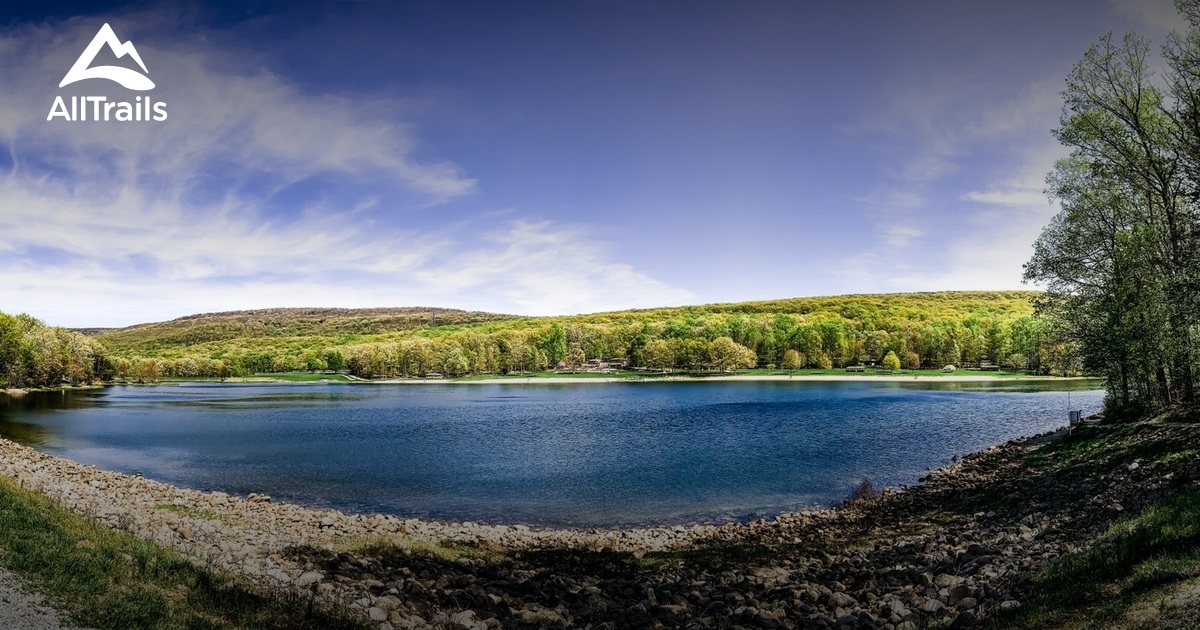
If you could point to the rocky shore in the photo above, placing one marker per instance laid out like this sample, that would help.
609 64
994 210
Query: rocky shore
951 551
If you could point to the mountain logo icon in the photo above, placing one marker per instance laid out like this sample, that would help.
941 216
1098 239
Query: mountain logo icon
131 79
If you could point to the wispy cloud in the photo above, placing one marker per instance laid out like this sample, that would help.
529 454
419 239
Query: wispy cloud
107 224
900 235
1159 14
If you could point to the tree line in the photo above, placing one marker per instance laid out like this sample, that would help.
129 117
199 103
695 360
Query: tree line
35 355
1121 261
897 331
694 342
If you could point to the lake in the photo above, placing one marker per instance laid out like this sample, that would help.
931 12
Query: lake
587 455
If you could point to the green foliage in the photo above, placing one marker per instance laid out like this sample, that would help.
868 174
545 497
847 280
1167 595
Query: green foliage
1121 259
792 359
826 332
35 355
891 361
1161 545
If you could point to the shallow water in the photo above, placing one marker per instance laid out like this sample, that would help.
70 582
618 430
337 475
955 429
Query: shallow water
589 455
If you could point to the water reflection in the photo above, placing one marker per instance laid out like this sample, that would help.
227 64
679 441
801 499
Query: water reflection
26 433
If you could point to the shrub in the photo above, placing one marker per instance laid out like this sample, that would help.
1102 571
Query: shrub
891 361
791 360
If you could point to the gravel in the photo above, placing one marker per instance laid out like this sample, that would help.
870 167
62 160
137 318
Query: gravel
20 608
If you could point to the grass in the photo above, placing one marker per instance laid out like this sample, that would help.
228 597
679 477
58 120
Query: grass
108 579
304 377
286 377
1105 446
383 546
1137 557
649 375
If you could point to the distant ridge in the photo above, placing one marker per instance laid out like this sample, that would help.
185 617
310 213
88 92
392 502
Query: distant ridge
283 322
335 325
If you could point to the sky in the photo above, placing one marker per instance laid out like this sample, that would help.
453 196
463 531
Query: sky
531 157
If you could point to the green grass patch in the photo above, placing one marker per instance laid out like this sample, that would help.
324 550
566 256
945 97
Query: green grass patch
108 579
1137 557
303 377
385 546
187 510
1109 445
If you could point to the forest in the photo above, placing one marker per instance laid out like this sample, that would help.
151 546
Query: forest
1121 261
35 355
919 330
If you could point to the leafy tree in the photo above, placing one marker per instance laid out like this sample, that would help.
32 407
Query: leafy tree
791 360
658 355
728 355
891 361
1120 260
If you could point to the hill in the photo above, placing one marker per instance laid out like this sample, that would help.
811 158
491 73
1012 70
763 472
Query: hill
920 329
191 330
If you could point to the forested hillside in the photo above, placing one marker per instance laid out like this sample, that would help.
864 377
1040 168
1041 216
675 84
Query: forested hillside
920 329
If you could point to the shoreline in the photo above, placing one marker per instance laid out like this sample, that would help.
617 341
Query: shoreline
945 550
732 378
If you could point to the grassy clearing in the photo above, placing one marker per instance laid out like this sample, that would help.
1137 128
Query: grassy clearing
1136 558
650 375
304 377
108 579
270 377
1104 446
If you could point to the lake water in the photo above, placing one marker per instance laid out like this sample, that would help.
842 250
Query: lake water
570 454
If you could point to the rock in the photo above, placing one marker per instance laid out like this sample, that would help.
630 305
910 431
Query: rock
945 580
309 578
842 600
1009 604
377 614
965 619
389 603
466 620
932 605
768 619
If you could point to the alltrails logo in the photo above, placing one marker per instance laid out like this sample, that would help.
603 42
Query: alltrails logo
142 108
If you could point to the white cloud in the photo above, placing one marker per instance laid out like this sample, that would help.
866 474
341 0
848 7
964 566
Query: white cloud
114 224
215 115
1005 197
1159 14
900 235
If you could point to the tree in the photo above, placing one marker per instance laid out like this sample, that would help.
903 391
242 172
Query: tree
575 356
554 344
657 355
791 360
1120 260
727 355
891 361
334 359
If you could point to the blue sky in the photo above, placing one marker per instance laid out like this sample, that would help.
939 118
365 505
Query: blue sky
533 157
